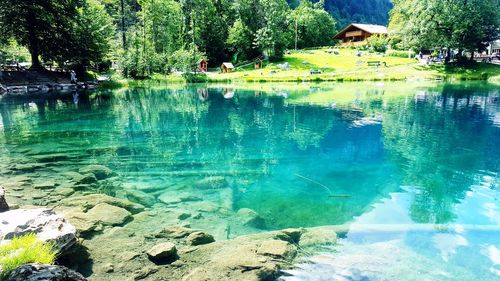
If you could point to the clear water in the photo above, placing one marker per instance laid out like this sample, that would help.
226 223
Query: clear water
409 170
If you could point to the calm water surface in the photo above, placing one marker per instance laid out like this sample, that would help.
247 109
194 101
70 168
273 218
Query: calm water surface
409 170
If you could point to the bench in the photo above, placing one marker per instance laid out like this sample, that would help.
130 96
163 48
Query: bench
314 71
376 63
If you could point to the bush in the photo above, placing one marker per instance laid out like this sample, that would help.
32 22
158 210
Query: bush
195 77
24 250
378 43
400 54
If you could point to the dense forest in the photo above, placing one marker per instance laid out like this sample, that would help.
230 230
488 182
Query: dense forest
359 11
142 37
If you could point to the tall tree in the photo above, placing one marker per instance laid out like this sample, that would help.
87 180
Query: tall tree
39 24
312 25
452 24
92 34
240 40
274 36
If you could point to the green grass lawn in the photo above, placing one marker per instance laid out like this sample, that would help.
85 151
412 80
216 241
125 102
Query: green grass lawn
347 66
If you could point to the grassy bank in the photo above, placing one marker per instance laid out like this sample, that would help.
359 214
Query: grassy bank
344 66
347 66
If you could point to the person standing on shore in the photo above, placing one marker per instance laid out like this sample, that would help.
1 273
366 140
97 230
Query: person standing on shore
73 77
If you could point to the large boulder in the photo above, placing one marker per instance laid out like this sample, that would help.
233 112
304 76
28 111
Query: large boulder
39 272
109 215
323 235
291 235
251 218
99 171
163 253
46 224
278 249
200 238
83 179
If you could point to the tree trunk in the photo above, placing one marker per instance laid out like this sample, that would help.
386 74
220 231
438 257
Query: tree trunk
448 55
33 43
124 36
472 55
3 203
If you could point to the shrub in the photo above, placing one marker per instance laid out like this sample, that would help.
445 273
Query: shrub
378 43
400 54
23 250
195 78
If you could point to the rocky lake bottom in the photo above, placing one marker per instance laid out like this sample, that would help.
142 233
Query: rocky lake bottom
368 182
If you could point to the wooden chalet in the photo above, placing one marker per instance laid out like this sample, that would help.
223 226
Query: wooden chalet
227 67
203 65
356 32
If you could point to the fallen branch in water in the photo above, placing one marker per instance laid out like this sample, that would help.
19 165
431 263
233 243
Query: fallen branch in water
325 187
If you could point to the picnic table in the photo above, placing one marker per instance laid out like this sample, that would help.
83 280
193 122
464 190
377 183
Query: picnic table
376 63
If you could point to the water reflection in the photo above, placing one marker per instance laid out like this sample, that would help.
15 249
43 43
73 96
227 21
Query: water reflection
298 155
281 150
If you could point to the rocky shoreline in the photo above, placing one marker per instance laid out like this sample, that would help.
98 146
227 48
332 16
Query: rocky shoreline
135 235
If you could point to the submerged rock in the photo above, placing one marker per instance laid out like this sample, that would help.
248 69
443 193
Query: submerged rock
49 158
323 235
176 231
39 272
183 216
171 198
46 224
89 201
291 235
250 258
277 248
28 167
85 179
45 185
250 218
99 171
109 215
199 238
108 268
205 206
141 197
65 191
144 272
216 182
163 253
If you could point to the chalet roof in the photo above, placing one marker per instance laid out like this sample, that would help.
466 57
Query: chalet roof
228 65
370 28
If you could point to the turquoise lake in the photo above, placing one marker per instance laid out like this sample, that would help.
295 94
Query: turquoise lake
408 171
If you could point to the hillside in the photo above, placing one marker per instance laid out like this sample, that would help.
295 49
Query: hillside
359 11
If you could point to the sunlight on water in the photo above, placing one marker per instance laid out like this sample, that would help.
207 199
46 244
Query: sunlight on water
410 171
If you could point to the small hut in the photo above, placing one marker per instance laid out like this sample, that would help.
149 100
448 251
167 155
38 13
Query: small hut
258 64
203 65
227 67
